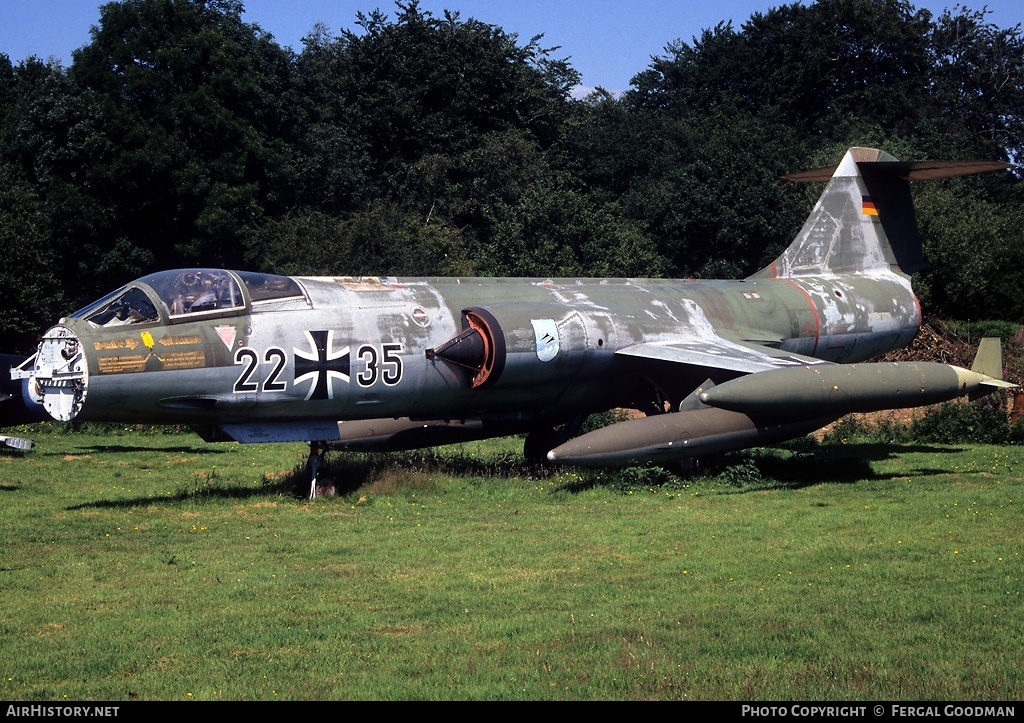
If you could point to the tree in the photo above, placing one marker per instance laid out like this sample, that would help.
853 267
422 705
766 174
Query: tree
818 66
978 84
30 273
436 145
381 241
49 133
975 249
194 104
554 230
796 85
423 85
418 126
332 159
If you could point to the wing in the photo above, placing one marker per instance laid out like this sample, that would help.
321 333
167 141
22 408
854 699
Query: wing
711 351
698 346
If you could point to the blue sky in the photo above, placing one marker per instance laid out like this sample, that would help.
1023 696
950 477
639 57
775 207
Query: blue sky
608 41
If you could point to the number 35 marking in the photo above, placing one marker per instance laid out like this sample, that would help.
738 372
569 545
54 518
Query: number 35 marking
387 365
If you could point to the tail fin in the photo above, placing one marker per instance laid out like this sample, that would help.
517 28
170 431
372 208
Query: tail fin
864 221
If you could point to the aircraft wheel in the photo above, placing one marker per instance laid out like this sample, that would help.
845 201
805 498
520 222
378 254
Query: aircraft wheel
691 466
538 443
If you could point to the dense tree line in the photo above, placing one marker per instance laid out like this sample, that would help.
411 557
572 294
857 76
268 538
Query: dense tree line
421 145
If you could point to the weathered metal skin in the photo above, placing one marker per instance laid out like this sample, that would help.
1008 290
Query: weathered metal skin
591 320
406 362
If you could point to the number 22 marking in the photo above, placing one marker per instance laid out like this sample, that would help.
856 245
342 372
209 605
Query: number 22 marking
244 384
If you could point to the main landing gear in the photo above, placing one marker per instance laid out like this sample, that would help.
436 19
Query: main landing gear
542 440
317 452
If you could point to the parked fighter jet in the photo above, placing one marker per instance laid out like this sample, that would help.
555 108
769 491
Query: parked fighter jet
387 363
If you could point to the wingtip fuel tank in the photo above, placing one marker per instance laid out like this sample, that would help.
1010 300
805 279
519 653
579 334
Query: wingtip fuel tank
833 389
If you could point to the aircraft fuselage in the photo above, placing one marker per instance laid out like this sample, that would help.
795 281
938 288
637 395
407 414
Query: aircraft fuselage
363 348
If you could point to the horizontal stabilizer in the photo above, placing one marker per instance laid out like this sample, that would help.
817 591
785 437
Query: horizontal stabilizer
907 170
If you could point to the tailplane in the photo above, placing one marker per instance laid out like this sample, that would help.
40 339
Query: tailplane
864 221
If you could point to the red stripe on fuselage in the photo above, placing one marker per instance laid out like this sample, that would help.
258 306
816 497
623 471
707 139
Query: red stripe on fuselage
814 311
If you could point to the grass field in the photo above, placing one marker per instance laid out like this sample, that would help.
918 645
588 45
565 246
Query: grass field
139 565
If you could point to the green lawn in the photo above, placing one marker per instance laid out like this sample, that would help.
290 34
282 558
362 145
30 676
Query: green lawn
154 566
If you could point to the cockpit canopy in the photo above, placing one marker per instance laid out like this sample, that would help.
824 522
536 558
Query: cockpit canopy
185 294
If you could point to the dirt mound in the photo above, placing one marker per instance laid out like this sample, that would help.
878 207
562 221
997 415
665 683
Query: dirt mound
938 342
935 343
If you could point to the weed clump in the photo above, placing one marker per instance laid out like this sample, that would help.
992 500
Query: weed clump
744 473
980 422
643 477
983 421
856 429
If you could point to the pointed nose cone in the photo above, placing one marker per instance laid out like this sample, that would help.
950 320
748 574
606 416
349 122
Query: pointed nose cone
467 350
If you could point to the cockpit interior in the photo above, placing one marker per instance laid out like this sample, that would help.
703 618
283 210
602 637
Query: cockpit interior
186 293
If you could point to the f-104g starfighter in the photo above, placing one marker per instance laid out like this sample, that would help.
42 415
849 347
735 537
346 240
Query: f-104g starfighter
392 363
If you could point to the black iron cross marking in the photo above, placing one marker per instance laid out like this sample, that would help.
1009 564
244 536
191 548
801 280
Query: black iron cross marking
322 366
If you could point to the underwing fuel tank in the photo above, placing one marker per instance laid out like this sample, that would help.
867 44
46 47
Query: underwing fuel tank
826 389
669 437
773 406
